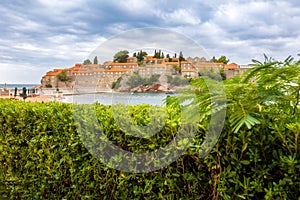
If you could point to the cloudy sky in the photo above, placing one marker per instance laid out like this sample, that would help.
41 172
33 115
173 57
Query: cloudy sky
39 35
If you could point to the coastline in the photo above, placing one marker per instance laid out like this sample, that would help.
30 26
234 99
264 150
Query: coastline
89 95
40 98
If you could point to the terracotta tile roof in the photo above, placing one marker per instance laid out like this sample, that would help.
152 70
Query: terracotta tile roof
76 68
152 58
185 62
117 70
103 70
120 64
53 73
188 70
149 58
231 66
170 63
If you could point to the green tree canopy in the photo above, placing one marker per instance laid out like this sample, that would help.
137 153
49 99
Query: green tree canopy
87 62
63 76
212 74
121 56
222 59
140 55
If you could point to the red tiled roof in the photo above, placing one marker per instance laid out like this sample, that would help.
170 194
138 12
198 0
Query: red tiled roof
119 64
185 62
152 58
117 70
103 70
170 63
231 66
188 70
53 73
149 57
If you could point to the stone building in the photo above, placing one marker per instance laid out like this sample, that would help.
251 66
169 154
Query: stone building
102 76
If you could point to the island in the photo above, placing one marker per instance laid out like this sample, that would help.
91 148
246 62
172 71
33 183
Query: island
139 72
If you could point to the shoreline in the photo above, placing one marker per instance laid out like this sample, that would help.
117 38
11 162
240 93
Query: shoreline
62 97
40 98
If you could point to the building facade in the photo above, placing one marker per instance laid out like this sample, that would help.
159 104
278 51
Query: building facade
103 76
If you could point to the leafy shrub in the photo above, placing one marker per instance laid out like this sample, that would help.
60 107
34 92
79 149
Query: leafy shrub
48 85
177 80
213 74
116 85
136 80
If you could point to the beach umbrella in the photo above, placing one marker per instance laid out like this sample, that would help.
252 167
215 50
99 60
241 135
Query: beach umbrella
16 91
24 93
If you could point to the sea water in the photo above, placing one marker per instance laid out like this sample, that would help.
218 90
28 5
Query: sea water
19 85
119 98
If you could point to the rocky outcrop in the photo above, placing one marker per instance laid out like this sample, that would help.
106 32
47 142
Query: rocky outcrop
156 87
161 85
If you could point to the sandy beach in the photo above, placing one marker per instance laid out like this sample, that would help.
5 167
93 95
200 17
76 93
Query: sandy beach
40 98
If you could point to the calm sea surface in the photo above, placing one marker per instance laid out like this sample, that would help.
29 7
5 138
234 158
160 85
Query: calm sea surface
19 86
119 98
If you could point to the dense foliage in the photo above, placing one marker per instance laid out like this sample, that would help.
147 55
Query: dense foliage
177 80
136 80
257 155
63 76
116 84
213 74
121 56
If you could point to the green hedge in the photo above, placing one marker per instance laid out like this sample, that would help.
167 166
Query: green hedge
42 157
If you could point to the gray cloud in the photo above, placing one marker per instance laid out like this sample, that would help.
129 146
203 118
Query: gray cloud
148 39
38 35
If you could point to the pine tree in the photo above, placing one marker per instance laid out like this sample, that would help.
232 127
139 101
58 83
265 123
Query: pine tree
181 58
95 60
140 58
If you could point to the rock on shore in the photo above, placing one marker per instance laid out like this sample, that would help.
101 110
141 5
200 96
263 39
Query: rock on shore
161 85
